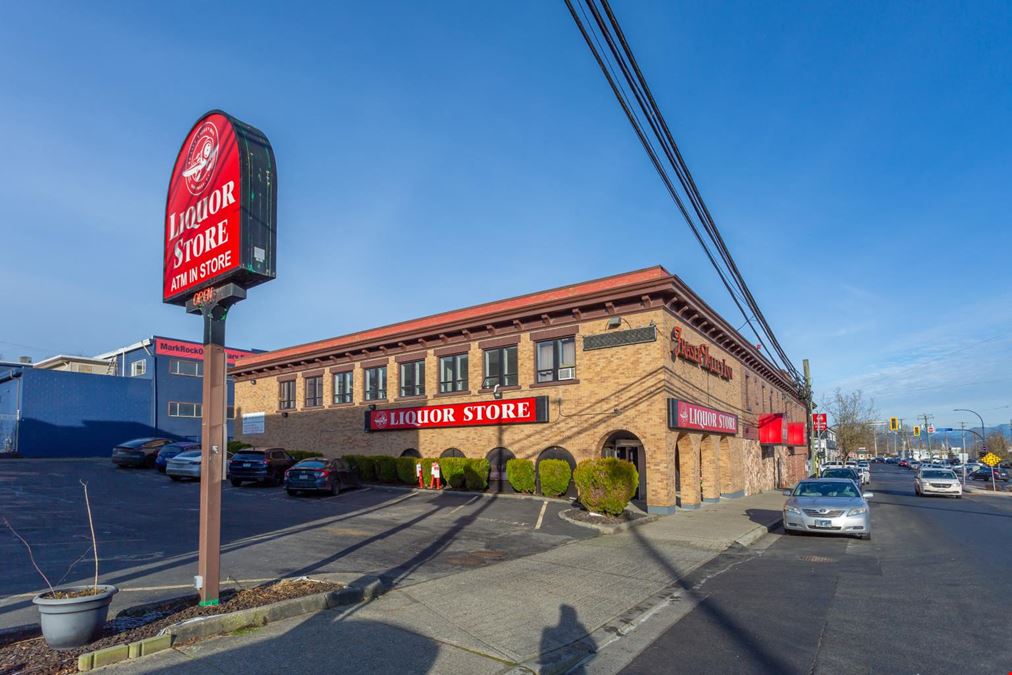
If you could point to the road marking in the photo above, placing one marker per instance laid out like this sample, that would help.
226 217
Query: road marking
541 516
469 501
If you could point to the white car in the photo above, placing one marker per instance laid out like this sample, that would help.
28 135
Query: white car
865 470
932 481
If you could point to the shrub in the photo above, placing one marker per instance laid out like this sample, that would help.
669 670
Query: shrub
365 465
406 470
520 474
235 446
298 455
386 468
606 485
554 475
452 471
476 474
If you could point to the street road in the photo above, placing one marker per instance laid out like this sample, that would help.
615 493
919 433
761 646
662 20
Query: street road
928 594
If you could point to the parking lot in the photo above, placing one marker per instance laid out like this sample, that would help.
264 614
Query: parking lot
146 527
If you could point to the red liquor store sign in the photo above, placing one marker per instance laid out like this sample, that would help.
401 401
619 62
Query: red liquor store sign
220 209
483 413
682 415
192 350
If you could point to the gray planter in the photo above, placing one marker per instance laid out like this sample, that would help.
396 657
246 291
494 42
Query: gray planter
74 622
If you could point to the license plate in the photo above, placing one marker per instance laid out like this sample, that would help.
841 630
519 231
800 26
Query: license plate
823 523
246 464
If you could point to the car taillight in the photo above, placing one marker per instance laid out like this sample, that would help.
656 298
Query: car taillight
323 473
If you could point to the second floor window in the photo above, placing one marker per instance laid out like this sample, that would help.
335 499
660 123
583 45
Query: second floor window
286 395
500 367
413 378
191 368
376 383
556 360
138 368
453 373
314 391
342 387
180 409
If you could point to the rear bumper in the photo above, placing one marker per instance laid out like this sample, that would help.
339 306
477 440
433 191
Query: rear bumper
185 471
129 460
247 474
303 484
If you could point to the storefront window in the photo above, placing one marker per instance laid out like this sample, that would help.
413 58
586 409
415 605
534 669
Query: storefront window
342 387
556 359
413 378
314 391
453 373
500 367
286 395
376 383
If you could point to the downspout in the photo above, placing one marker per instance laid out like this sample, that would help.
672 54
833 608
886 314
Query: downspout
154 387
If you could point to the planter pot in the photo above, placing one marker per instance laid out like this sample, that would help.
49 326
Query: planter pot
74 622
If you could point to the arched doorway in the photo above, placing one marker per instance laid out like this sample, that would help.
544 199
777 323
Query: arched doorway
728 479
411 452
556 452
709 472
497 458
628 447
451 452
688 472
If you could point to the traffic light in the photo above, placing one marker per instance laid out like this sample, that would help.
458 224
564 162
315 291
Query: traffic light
917 430
894 424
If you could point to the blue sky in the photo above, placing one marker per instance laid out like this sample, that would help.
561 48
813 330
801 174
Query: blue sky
857 156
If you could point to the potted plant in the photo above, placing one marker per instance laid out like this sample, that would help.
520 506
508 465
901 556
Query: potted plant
72 616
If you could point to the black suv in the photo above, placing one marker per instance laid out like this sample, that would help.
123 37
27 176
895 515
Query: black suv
259 465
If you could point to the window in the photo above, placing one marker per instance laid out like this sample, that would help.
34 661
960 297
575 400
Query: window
342 387
453 373
181 367
500 367
138 368
178 409
376 383
556 359
748 403
413 378
286 395
314 391
230 412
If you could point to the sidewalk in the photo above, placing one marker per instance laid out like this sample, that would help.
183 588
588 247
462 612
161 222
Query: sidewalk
496 617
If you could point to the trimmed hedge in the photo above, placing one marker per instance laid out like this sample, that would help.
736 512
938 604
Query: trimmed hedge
386 469
554 475
458 472
606 485
365 465
406 470
298 455
476 474
520 474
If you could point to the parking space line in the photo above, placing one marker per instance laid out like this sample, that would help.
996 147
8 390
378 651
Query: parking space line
469 501
541 516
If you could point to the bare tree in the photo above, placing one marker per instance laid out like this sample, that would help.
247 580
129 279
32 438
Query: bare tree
997 443
853 417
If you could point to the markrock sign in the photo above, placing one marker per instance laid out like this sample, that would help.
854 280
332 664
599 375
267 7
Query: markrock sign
220 210
698 354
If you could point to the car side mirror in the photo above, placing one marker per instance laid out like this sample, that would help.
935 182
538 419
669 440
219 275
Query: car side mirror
868 495
787 493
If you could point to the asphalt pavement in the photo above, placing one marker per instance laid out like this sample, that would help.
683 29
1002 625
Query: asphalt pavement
928 594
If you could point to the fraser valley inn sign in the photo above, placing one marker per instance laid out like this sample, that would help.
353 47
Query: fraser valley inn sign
698 354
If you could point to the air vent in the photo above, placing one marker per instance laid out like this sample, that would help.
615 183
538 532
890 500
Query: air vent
620 338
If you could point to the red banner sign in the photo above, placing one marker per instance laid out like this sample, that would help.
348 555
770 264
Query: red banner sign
698 354
771 429
796 434
192 350
480 413
819 422
682 415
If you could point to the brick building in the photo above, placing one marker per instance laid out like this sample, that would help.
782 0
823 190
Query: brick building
634 365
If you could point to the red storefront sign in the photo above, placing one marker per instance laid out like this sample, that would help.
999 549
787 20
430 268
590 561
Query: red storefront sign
819 422
796 434
682 415
698 354
220 209
480 413
771 429
192 350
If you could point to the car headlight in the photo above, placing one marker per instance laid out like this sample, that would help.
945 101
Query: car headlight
858 511
792 509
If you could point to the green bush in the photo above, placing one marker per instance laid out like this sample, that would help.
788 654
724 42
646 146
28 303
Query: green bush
452 471
520 474
406 470
554 475
235 446
298 455
365 465
606 485
476 474
386 469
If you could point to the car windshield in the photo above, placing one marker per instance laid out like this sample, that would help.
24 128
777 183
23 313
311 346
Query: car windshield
838 473
189 454
311 464
939 474
248 455
828 489
135 443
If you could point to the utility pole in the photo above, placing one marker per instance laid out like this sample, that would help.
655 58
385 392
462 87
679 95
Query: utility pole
812 459
925 416
962 432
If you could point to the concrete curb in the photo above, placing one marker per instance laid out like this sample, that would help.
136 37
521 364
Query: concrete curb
607 529
366 588
753 535
974 490
464 493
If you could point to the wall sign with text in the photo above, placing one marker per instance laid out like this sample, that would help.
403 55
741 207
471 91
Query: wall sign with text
480 413
682 415
698 354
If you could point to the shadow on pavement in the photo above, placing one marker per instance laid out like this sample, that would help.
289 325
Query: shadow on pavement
764 517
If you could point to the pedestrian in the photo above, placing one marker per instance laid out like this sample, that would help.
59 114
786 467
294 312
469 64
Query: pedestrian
435 482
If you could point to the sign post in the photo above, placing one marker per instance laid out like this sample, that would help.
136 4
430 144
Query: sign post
220 239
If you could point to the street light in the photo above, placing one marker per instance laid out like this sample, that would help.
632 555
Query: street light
983 442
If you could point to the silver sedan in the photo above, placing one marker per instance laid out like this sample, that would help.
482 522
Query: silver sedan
186 465
829 505
937 482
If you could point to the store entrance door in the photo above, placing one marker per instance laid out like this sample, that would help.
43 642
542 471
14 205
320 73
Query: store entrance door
630 453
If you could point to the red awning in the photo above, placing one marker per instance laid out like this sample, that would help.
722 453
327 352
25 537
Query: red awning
796 433
771 429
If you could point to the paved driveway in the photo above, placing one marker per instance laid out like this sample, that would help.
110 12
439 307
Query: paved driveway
147 532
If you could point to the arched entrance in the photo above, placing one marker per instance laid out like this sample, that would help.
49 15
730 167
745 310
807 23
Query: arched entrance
688 472
556 452
628 447
727 469
411 452
497 458
709 471
451 452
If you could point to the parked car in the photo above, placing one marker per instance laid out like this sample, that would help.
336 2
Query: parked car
184 465
984 473
170 450
931 481
318 474
139 452
843 472
259 465
915 465
865 470
905 463
830 505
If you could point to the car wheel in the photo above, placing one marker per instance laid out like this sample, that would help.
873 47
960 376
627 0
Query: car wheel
291 492
176 478
235 482
335 487
865 537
